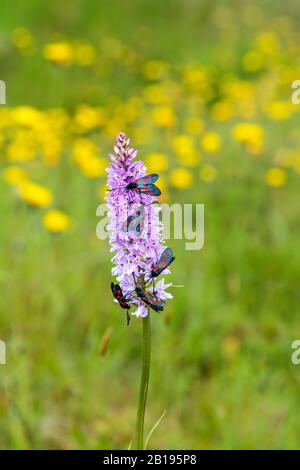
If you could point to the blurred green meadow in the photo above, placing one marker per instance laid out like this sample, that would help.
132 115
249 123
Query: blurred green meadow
203 89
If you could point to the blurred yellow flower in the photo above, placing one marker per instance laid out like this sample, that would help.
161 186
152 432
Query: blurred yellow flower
23 39
211 142
181 178
14 175
56 221
208 173
251 135
87 117
35 195
52 149
253 61
194 74
26 116
163 116
276 177
23 145
83 149
268 43
279 110
183 146
222 111
92 167
156 162
59 52
194 125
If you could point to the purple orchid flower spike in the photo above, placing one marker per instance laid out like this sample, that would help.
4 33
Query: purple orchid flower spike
133 255
136 241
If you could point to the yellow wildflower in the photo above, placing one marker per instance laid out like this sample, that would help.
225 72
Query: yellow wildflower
279 110
276 177
35 195
56 221
92 167
163 116
267 43
182 144
156 162
26 116
222 110
181 178
83 149
87 117
251 135
59 52
211 142
14 175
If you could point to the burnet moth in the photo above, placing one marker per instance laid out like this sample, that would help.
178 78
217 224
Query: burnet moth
144 185
135 222
164 262
123 302
148 298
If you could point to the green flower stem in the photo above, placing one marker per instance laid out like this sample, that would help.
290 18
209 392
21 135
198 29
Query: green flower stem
144 382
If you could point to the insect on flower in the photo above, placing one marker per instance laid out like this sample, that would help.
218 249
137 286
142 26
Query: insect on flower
144 185
164 262
135 222
123 302
148 298
129 184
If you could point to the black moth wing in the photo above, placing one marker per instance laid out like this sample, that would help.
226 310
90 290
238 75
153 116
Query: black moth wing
151 300
118 294
165 260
